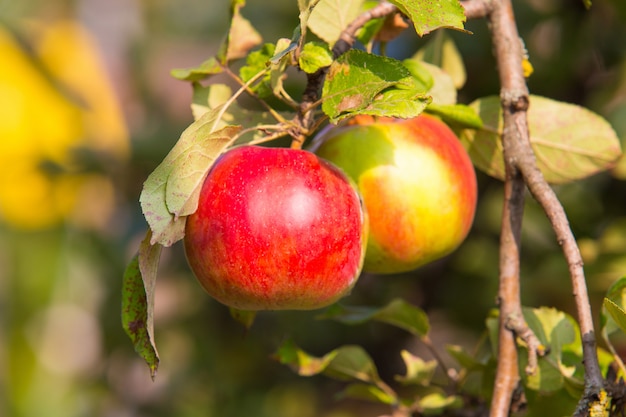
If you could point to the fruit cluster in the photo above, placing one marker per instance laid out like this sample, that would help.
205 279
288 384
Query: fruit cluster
282 228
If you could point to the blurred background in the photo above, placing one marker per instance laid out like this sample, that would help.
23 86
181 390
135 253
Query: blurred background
88 109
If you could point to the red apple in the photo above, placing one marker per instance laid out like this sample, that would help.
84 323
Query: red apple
416 180
276 229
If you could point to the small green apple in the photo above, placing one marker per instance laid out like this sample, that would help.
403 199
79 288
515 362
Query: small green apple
276 229
416 180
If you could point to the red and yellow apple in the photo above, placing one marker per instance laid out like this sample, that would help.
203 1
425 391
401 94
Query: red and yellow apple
416 180
276 229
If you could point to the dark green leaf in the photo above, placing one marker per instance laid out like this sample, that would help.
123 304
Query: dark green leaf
398 313
362 83
428 15
352 363
138 302
367 392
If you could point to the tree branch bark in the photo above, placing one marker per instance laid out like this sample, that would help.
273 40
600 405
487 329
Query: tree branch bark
521 168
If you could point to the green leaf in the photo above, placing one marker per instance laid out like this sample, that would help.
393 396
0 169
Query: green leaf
362 83
441 51
171 191
241 37
463 358
257 62
398 313
436 402
418 371
301 362
617 313
421 73
443 90
330 17
138 302
457 114
570 142
345 363
244 317
428 15
352 363
553 328
314 55
367 392
209 67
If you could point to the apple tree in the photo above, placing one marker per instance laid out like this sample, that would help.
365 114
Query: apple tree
337 57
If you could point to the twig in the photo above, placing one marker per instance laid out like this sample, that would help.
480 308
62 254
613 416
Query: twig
514 99
346 39
475 9
520 159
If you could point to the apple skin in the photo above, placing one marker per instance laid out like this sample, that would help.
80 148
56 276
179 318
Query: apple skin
276 229
416 180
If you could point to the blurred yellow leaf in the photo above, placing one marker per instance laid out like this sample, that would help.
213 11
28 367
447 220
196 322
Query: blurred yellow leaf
55 100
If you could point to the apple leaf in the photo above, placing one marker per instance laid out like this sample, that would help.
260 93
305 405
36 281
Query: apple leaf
138 301
418 371
443 90
314 55
613 317
244 317
553 328
212 96
441 51
397 313
614 301
241 37
209 67
569 141
257 62
346 363
171 191
463 358
330 17
457 114
362 83
617 313
368 392
428 15
438 401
